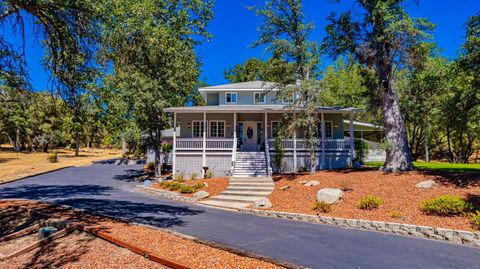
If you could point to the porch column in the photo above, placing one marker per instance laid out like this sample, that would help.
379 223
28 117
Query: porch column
174 148
351 138
204 155
265 132
294 146
234 135
323 140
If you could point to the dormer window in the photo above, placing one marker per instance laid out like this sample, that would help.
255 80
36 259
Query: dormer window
230 97
258 98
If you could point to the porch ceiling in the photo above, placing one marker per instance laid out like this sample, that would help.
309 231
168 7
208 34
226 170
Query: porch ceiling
252 109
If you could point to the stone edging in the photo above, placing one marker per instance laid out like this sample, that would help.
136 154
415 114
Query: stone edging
167 194
454 236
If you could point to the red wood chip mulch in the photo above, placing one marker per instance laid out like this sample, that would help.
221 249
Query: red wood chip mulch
80 250
398 192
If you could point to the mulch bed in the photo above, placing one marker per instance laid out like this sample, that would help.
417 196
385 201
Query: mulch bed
215 185
94 252
398 192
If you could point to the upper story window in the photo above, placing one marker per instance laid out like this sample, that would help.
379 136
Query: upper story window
230 97
289 99
328 129
217 128
258 98
197 128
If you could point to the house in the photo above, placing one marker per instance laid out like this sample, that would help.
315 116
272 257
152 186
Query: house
234 134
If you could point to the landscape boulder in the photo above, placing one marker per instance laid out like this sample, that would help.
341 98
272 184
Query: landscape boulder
427 184
311 183
302 182
262 203
132 162
201 194
118 162
284 188
329 195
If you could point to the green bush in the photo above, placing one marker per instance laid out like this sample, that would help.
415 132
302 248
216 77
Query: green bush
199 185
167 147
278 154
210 174
475 218
445 205
179 177
186 189
193 176
360 149
151 166
369 202
53 156
321 206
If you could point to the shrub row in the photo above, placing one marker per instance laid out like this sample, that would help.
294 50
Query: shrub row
182 188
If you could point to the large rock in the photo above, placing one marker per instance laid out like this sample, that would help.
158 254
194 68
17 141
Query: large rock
201 194
132 162
262 203
329 195
312 183
118 162
427 184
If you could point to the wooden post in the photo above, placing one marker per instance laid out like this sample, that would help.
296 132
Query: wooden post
204 155
294 146
234 136
323 140
351 138
174 146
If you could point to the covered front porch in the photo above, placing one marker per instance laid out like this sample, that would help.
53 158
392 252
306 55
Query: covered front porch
210 136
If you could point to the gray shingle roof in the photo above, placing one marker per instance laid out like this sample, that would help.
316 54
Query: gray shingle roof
249 109
242 86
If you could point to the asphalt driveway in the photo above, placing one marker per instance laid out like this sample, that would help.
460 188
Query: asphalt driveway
108 189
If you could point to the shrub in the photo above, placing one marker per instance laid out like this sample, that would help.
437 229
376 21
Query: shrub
210 174
179 177
475 218
186 189
52 156
360 148
445 205
278 154
321 206
369 202
151 166
193 175
344 185
395 214
199 185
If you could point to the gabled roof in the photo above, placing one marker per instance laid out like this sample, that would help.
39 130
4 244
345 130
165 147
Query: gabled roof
249 85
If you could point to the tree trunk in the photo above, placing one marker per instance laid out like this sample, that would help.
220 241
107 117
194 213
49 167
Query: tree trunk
397 154
77 143
158 160
124 145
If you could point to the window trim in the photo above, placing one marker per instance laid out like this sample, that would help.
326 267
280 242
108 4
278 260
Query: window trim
320 130
236 97
224 129
260 94
201 123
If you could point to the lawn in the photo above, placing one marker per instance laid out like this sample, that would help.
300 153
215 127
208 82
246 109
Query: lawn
15 165
439 166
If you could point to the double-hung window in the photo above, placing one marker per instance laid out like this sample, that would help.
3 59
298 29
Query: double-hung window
217 128
230 97
258 98
328 129
197 128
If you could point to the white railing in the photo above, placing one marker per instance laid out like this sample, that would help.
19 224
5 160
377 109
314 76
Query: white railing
330 144
211 143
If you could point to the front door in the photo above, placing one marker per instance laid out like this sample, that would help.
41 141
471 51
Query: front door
250 136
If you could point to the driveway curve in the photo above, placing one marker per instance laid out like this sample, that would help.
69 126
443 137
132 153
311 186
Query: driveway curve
108 189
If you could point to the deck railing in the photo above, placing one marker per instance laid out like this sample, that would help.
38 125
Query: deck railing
330 144
211 144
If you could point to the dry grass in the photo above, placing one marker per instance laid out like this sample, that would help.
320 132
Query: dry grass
398 192
15 165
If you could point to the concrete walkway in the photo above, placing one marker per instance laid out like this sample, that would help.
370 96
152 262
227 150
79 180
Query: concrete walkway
107 189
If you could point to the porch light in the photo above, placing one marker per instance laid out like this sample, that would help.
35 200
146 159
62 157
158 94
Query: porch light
228 125
335 125
188 125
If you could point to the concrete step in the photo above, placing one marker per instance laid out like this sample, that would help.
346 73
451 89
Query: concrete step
240 173
235 198
246 193
251 180
250 165
225 204
252 185
260 189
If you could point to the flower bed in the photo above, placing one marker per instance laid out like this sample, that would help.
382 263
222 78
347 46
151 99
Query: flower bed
398 191
213 186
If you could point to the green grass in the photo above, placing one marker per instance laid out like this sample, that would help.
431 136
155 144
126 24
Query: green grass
436 166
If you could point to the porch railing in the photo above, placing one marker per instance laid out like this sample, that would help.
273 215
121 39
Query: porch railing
330 144
197 144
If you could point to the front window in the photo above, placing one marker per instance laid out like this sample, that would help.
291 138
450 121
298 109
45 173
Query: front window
231 97
217 129
197 128
258 98
328 129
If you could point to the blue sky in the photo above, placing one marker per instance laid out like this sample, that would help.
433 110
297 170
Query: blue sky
235 27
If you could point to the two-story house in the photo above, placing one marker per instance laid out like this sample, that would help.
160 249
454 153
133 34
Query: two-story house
234 134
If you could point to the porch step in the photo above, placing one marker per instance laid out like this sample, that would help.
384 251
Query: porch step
235 198
255 193
252 185
250 188
225 204
250 180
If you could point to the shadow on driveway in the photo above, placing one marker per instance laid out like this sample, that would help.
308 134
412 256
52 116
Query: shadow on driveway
42 192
